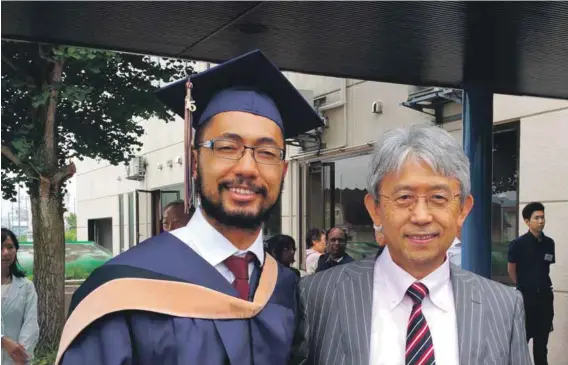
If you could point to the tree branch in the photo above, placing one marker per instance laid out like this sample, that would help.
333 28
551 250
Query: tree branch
29 80
64 173
7 151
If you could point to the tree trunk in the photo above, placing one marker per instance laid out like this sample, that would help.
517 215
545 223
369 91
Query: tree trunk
49 267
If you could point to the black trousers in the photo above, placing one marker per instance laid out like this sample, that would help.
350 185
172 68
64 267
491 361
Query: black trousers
539 311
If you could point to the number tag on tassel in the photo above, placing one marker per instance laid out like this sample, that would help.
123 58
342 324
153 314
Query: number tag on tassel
190 104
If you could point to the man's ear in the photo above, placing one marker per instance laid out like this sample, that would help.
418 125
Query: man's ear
465 209
373 209
285 171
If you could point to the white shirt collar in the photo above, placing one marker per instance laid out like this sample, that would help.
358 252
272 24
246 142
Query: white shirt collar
213 246
397 281
456 243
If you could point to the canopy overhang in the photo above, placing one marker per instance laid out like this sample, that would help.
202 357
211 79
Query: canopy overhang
510 48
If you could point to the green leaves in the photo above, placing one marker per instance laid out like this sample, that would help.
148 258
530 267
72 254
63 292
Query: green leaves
22 146
76 53
101 97
77 93
40 98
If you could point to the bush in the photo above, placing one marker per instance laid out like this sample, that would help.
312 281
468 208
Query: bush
45 358
74 272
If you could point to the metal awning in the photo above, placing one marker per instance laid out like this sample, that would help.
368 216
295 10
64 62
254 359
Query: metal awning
508 48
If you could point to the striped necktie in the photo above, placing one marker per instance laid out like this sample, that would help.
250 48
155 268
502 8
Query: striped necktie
419 346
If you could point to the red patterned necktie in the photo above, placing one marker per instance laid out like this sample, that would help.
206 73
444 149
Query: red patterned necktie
239 268
419 346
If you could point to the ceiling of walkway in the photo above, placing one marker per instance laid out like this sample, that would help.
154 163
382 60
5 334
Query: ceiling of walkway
509 48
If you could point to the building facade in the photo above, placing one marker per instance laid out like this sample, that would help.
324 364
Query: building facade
119 206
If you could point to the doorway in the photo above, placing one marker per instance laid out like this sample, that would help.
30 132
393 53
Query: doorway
320 186
100 232
149 207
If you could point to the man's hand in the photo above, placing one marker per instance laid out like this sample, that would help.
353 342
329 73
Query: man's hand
16 351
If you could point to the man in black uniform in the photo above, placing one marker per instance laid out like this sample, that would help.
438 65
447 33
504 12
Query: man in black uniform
530 257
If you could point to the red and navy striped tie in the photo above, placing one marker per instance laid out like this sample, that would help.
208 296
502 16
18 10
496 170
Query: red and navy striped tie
419 346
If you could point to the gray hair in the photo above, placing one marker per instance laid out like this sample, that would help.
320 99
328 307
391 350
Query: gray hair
428 143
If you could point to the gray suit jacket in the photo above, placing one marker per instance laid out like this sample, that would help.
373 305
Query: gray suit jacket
334 318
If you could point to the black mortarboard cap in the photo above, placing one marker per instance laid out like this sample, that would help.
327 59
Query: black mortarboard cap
249 83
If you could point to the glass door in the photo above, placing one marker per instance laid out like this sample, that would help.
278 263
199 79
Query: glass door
320 188
144 215
166 197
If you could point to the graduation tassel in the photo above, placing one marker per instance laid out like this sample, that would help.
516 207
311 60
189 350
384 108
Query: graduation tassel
188 140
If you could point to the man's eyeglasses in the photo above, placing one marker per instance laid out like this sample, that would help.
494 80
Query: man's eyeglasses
233 150
438 200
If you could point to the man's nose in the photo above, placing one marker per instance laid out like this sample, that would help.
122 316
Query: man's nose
247 165
421 213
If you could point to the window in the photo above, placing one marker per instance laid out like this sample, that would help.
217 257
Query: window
350 181
505 202
335 192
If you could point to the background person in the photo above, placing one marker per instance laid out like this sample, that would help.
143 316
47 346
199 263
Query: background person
337 246
174 216
20 329
283 248
530 257
316 245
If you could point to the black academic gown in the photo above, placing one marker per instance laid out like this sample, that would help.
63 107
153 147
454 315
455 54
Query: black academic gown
161 303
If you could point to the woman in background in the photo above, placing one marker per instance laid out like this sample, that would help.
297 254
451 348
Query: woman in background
283 248
20 329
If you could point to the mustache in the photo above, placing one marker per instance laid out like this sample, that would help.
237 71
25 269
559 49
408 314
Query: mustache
243 182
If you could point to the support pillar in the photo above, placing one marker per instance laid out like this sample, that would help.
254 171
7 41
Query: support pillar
478 145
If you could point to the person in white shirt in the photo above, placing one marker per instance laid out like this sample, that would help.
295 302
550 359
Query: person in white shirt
408 305
315 244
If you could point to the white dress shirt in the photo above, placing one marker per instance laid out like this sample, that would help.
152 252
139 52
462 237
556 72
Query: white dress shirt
213 247
391 310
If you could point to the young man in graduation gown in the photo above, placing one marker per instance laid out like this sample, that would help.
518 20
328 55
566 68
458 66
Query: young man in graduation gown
206 294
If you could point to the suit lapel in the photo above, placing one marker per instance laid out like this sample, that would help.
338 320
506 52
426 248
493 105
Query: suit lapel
469 315
355 300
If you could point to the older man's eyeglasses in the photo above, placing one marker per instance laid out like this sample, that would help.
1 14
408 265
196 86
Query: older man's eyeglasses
234 150
438 200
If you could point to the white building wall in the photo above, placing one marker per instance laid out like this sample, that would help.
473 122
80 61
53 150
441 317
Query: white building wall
99 183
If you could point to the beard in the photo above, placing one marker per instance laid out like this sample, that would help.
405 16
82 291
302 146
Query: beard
242 220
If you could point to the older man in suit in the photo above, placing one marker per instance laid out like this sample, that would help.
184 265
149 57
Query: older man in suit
409 305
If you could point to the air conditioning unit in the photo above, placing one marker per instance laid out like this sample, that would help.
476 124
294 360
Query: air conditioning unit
136 169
